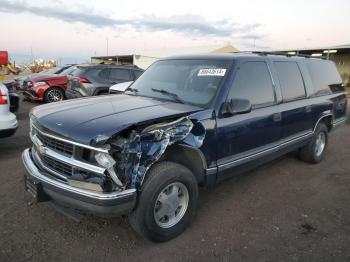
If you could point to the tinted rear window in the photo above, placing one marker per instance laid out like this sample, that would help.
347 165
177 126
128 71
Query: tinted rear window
253 82
324 76
119 74
290 79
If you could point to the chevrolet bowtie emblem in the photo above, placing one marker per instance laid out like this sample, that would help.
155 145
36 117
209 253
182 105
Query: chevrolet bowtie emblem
42 150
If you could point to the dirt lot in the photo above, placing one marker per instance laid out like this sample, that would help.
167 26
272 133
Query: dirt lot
284 211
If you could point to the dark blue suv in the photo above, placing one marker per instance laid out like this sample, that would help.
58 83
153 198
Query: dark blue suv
187 121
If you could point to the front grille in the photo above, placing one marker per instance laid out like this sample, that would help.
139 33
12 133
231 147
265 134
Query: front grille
26 84
55 144
57 166
58 157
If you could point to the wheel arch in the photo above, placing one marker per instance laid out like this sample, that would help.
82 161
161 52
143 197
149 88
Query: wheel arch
327 119
190 157
100 89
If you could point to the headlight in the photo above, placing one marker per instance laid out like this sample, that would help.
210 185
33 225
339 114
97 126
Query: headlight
37 84
107 161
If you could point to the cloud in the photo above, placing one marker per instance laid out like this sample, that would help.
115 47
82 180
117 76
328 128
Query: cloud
186 24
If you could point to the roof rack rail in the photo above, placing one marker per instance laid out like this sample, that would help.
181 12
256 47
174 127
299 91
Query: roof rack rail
265 53
286 54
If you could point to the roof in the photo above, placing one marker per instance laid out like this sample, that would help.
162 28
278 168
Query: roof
238 55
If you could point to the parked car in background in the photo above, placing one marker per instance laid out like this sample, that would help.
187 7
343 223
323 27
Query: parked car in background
48 88
21 82
8 121
91 80
120 88
187 121
13 96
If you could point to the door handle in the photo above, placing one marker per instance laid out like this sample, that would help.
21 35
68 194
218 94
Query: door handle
308 109
277 117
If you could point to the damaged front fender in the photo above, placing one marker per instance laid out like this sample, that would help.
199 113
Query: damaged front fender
139 150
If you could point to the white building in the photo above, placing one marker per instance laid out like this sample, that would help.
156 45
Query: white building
145 58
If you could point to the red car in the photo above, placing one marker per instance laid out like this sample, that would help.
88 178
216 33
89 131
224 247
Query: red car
47 88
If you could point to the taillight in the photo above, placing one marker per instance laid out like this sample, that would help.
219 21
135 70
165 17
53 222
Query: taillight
3 98
82 79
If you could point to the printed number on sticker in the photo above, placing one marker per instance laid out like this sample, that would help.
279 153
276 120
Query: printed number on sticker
212 72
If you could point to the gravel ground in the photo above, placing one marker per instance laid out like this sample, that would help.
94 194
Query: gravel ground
284 211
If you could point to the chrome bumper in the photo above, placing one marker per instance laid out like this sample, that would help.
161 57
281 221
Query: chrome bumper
98 203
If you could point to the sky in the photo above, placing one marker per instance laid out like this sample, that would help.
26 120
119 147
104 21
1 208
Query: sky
79 29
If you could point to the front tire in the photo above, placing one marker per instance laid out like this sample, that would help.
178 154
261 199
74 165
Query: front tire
167 202
314 151
54 94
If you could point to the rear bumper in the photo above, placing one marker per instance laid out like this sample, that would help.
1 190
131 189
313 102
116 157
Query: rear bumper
7 132
71 94
339 123
8 125
85 201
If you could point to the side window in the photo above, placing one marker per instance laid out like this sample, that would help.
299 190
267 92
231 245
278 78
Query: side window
253 82
119 74
291 81
104 73
324 76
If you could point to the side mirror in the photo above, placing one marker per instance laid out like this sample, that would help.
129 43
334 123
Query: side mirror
236 106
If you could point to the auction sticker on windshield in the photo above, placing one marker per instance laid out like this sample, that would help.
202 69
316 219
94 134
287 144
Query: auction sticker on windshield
212 72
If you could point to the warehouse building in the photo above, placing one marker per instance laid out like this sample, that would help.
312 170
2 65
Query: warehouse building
145 58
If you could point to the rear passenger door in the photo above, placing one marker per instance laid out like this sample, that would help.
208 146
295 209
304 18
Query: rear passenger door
297 115
244 138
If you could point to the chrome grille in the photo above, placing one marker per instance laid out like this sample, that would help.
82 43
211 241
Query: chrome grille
57 166
55 144
60 157
52 143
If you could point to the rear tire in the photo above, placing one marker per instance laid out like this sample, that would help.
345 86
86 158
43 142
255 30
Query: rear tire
54 94
167 202
314 151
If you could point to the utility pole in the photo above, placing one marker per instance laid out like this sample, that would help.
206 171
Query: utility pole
107 45
31 55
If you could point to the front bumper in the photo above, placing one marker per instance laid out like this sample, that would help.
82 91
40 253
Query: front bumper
85 201
32 95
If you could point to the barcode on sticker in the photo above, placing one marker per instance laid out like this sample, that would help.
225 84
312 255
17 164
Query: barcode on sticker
212 72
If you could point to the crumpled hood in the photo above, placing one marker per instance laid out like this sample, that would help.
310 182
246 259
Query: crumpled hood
84 120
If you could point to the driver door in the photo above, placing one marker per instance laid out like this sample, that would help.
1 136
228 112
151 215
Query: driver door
249 137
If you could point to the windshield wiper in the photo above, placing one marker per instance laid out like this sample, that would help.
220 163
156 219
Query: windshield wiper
134 90
167 93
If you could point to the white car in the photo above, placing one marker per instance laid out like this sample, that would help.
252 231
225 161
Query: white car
119 88
8 121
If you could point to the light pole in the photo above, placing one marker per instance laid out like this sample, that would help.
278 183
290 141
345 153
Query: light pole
107 45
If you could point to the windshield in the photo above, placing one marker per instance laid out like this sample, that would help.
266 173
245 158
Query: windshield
192 82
